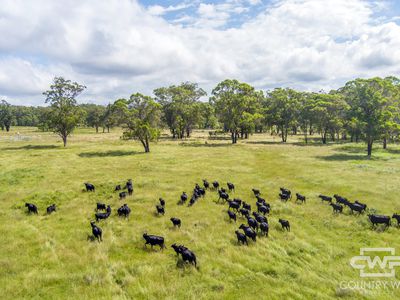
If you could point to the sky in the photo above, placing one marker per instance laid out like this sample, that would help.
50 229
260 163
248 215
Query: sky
120 47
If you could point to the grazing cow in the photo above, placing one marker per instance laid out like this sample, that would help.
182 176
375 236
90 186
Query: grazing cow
187 255
232 215
129 186
364 206
341 200
215 185
300 197
51 208
397 217
177 248
100 206
378 219
206 184
89 187
97 232
233 204
103 216
231 186
286 191
162 202
263 209
184 197
259 199
176 222
223 195
256 192
237 200
285 224
264 228
252 223
124 211
260 218
160 210
284 197
118 188
130 190
32 208
325 198
241 237
154 240
337 208
249 232
244 212
246 206
122 195
355 207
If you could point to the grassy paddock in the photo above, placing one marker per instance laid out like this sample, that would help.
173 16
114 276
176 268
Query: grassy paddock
50 257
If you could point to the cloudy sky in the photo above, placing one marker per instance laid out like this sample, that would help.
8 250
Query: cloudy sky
118 47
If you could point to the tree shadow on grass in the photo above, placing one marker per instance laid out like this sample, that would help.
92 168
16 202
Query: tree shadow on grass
108 153
204 145
346 157
32 147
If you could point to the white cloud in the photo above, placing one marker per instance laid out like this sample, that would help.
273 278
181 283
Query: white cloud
117 47
158 10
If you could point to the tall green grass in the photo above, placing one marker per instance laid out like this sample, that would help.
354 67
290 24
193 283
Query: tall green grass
49 256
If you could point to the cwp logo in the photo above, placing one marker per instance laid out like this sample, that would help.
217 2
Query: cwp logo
372 265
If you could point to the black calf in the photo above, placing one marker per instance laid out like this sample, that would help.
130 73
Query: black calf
285 224
97 232
231 186
89 187
160 210
176 222
31 208
51 209
300 197
122 195
337 208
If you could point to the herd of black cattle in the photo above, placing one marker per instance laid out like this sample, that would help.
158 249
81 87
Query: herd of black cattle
257 221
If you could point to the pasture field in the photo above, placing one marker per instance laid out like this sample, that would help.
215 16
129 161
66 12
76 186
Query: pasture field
49 257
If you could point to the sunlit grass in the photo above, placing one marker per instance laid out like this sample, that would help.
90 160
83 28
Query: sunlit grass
50 257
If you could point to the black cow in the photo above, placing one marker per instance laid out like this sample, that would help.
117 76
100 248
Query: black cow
241 237
32 208
122 195
223 195
260 218
249 232
187 255
300 197
337 208
100 206
246 206
124 211
51 209
264 228
97 232
285 224
232 215
233 204
244 212
397 217
325 198
117 188
215 185
103 216
160 210
355 207
341 200
184 197
364 206
154 240
206 184
256 192
89 187
176 222
231 186
379 219
252 223
162 202
284 197
263 209
237 200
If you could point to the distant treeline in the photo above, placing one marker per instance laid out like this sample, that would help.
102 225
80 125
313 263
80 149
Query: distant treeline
363 109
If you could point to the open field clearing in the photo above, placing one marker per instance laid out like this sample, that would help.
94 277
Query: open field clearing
49 257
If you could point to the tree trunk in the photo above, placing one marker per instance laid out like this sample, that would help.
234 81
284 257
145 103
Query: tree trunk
369 147
384 143
64 138
324 137
233 136
108 129
246 135
7 127
104 129
97 129
187 132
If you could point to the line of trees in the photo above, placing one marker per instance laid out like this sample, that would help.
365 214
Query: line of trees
363 109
